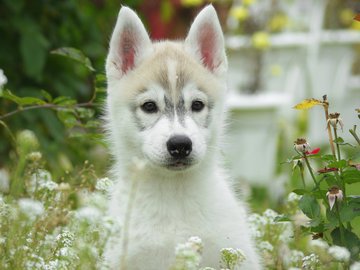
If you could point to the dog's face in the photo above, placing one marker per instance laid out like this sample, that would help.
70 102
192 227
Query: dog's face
165 99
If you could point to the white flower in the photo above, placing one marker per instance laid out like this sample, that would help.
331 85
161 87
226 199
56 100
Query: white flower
318 243
339 253
4 181
334 194
66 238
232 257
310 262
270 215
188 255
104 184
3 79
355 266
287 232
293 197
296 257
31 208
266 246
41 180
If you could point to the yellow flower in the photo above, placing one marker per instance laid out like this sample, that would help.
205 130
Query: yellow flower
191 3
346 16
240 13
276 70
355 25
278 22
248 2
261 40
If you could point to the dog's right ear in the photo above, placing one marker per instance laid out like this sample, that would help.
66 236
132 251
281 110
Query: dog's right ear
129 44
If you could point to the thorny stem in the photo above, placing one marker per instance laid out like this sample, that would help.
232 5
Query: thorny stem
46 106
125 242
353 132
326 109
310 169
337 144
338 177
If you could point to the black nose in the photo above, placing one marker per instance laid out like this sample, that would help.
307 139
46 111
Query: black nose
179 146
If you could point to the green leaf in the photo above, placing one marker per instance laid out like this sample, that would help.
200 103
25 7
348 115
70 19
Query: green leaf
315 222
76 55
351 176
300 191
332 218
33 48
349 212
330 179
339 140
282 218
338 164
64 101
310 206
46 95
352 241
328 158
67 117
22 101
85 112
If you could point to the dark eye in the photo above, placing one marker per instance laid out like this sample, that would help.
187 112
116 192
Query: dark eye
197 106
149 107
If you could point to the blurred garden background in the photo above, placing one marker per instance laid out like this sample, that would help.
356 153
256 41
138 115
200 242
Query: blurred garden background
280 52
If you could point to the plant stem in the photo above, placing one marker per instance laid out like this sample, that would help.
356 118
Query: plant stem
310 169
341 226
326 109
353 132
46 106
337 144
339 177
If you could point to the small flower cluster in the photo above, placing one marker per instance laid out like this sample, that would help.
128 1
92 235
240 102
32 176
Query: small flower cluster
231 258
188 255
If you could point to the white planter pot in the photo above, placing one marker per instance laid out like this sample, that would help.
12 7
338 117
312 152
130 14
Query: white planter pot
252 135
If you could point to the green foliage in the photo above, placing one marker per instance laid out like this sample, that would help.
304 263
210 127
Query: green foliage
40 74
332 213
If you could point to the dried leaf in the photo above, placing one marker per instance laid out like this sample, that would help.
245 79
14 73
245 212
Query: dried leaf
307 104
357 17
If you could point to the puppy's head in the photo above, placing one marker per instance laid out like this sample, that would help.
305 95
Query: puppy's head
165 99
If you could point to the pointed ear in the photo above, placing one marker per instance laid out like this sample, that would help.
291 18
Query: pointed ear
129 44
206 41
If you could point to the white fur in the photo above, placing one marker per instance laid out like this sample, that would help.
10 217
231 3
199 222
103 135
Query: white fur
170 205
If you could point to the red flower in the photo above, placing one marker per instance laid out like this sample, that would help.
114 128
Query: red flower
326 170
357 17
313 152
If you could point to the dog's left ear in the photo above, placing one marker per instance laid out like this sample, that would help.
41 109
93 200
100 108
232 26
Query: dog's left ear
206 41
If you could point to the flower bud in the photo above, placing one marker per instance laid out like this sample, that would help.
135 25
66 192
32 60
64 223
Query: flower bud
27 141
335 120
34 156
301 145
334 194
3 79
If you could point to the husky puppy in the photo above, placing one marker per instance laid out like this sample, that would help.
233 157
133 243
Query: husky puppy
165 105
